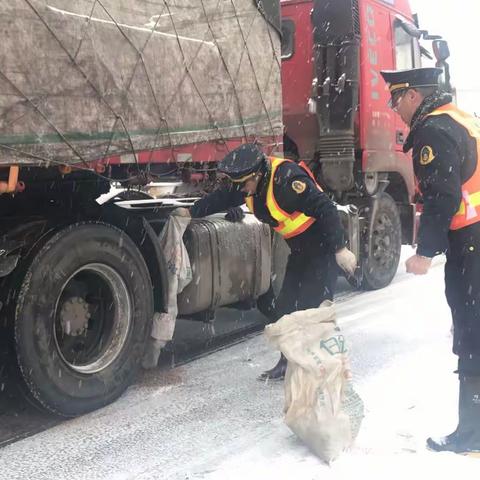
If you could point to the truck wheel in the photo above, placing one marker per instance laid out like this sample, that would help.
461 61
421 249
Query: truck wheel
81 319
383 253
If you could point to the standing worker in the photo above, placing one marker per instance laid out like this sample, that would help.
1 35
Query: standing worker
446 154
285 196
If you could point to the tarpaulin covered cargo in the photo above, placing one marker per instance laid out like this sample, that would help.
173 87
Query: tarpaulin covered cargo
85 80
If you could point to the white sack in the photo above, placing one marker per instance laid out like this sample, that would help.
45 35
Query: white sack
321 407
179 275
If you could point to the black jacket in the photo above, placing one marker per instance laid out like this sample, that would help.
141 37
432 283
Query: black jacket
325 235
449 159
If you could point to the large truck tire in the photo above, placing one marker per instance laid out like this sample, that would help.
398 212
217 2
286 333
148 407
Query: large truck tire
383 244
82 318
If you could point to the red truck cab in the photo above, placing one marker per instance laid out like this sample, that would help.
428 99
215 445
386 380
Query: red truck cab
356 38
337 118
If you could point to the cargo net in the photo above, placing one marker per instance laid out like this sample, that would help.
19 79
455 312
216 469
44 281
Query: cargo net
87 81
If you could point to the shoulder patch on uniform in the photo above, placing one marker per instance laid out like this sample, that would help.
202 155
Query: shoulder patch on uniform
299 186
426 155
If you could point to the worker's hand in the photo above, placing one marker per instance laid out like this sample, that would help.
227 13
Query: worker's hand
418 265
346 260
180 212
235 214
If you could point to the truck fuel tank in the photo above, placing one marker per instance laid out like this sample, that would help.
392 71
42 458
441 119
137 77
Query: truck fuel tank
231 262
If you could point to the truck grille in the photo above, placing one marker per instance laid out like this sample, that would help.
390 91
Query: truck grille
338 148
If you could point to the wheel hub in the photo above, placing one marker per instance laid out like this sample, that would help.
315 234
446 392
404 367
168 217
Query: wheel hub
93 318
74 316
383 245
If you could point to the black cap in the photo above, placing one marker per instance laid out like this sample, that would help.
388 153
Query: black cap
242 162
418 77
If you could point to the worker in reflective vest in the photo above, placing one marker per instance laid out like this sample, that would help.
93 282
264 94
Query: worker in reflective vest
286 196
446 154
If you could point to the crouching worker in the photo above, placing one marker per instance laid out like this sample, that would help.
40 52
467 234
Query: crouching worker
286 196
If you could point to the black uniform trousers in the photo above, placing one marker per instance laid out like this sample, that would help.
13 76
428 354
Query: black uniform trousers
462 288
310 278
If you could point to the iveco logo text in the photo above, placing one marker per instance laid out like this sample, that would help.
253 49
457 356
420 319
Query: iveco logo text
372 52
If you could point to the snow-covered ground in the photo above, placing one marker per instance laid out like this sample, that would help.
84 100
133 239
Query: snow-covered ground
212 420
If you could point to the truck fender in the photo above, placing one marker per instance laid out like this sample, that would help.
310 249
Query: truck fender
144 236
19 242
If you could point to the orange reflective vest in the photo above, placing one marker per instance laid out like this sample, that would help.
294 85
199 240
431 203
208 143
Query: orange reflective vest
289 224
469 211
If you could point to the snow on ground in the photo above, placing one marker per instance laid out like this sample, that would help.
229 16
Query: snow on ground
409 399
212 420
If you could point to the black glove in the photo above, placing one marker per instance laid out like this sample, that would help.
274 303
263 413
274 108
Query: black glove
235 214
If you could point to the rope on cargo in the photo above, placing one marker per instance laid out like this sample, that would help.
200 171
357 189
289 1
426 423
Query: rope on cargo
188 74
49 161
212 120
253 68
99 95
243 51
161 118
263 12
179 86
141 60
92 86
226 68
57 131
274 56
272 44
87 24
84 75
269 20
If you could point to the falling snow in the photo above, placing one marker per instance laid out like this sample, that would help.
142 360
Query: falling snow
211 419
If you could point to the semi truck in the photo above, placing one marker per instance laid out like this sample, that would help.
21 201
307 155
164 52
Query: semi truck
130 93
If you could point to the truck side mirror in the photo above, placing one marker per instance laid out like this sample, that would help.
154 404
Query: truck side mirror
441 50
410 28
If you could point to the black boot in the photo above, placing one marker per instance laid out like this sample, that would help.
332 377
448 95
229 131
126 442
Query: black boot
466 438
277 372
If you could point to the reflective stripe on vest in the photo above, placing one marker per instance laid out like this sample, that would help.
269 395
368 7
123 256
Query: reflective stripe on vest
469 211
289 224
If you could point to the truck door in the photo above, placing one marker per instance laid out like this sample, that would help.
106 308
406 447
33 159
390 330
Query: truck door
377 122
